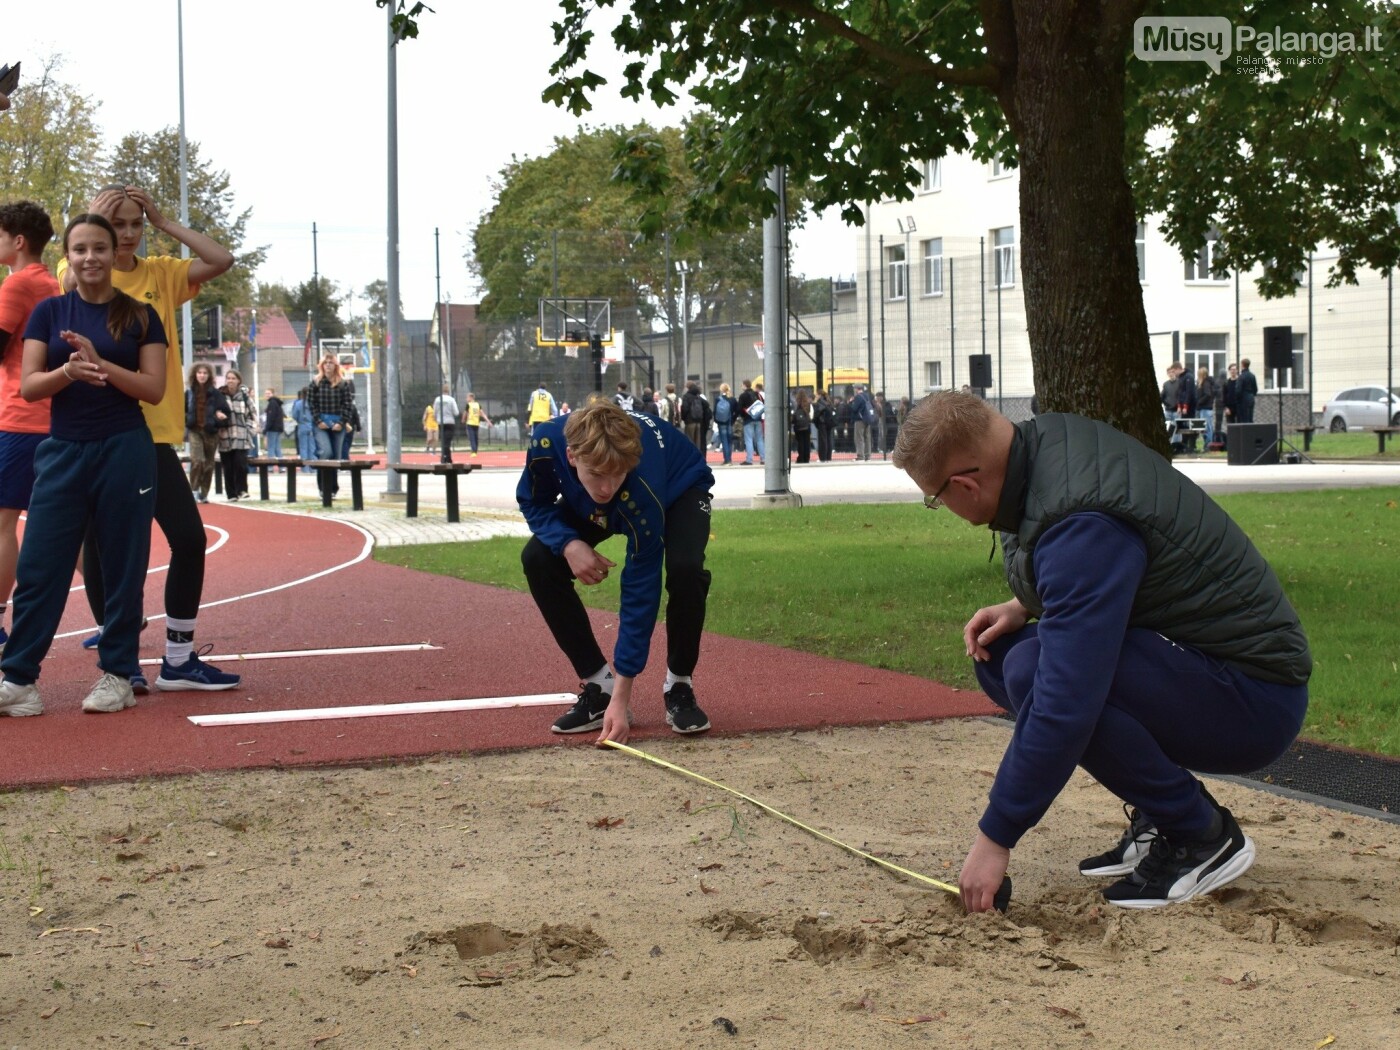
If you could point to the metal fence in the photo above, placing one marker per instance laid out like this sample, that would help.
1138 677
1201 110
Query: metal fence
908 327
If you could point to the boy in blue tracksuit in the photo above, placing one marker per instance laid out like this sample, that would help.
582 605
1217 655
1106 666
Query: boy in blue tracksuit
597 472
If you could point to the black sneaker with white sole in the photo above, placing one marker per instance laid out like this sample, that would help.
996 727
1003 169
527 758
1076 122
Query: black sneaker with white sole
1176 871
587 712
683 714
1131 848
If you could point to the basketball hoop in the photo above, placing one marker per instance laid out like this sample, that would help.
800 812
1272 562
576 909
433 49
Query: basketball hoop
230 353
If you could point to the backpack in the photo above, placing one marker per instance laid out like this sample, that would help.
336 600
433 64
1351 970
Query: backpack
696 412
722 410
801 419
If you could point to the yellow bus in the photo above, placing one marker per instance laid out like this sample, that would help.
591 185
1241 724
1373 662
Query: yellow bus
835 379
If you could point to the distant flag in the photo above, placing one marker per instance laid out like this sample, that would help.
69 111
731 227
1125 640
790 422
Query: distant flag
306 350
253 335
369 343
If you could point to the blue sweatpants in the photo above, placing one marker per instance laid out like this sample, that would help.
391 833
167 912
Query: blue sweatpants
1170 708
112 482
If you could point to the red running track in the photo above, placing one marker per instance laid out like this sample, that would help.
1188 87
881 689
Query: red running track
291 582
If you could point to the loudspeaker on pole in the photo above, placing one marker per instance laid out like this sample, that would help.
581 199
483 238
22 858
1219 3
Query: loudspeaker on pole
979 370
1278 347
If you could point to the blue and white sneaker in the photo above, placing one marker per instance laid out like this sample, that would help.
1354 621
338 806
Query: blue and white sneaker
139 685
194 673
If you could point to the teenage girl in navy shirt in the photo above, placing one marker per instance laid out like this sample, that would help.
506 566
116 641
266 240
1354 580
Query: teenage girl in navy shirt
97 353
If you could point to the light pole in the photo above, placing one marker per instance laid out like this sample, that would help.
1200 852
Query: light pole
449 375
684 268
906 227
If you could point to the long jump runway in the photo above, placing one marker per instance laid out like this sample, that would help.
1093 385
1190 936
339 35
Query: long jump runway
296 604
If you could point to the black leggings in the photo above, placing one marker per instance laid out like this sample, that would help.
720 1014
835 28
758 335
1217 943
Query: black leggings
235 464
687 586
177 514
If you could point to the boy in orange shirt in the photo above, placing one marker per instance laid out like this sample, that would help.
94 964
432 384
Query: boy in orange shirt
25 228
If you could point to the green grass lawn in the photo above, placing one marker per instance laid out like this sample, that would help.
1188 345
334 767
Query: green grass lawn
892 585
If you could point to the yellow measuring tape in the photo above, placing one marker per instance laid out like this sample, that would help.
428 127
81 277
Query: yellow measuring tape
945 887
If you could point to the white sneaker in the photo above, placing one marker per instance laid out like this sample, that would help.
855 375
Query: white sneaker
111 693
20 701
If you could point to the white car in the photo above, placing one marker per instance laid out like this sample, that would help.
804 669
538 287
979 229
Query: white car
1360 407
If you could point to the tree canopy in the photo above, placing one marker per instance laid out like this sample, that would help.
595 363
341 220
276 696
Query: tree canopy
51 147
318 299
563 226
848 94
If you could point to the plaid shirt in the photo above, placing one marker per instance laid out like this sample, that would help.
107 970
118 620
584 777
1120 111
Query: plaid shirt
322 398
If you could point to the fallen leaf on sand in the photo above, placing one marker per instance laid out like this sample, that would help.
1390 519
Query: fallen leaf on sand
607 823
318 1040
921 1019
276 942
240 1024
49 1012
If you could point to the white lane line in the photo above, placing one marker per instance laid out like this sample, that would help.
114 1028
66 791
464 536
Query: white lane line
220 539
364 553
289 654
374 710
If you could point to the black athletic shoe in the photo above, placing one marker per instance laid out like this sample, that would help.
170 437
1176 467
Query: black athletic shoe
683 714
1131 848
587 712
1173 872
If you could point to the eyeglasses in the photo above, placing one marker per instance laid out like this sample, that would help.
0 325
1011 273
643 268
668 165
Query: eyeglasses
936 500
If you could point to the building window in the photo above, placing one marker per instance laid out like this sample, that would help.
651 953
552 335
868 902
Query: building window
933 375
898 272
931 172
933 266
1210 350
1141 238
1201 266
1004 257
1000 170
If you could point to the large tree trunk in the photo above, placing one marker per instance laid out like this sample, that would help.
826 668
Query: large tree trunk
1084 312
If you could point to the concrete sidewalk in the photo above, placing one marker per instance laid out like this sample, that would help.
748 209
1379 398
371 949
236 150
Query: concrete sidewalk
489 507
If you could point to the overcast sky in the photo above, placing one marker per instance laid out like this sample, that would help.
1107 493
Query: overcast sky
290 99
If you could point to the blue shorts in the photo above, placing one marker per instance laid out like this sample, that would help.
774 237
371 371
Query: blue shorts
17 468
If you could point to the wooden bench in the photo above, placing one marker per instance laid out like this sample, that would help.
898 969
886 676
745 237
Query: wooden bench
1307 433
450 471
263 463
1382 433
356 467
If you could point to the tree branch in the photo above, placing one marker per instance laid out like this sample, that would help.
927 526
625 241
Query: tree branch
979 76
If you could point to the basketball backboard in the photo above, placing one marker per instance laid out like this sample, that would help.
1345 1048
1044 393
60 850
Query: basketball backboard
573 322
